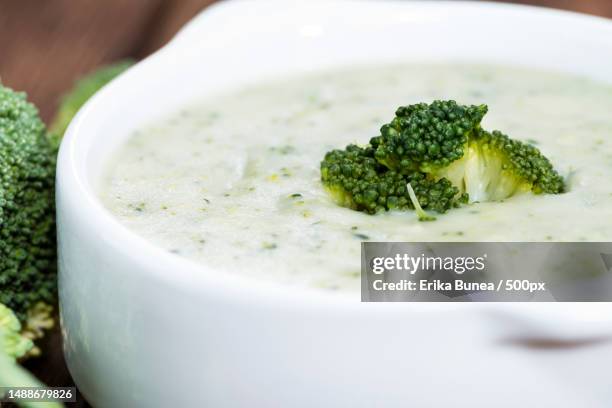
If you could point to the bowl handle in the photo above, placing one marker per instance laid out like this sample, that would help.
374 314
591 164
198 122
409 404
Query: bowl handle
556 322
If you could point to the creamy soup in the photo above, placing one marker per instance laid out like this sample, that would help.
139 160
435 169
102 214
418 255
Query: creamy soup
233 181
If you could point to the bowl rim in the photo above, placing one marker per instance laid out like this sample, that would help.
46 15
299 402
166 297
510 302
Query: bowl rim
193 276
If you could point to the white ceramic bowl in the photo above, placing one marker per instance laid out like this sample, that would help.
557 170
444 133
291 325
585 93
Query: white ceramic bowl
143 327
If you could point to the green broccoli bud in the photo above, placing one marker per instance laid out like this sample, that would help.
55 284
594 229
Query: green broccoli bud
80 93
426 137
445 140
356 180
27 225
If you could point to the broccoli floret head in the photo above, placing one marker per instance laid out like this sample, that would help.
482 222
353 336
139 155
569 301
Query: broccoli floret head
495 167
356 180
27 227
425 137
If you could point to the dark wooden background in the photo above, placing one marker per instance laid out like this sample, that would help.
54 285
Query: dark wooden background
46 44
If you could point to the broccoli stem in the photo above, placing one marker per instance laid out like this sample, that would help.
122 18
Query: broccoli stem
422 214
13 375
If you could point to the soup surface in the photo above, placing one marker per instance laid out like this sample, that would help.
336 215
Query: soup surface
233 182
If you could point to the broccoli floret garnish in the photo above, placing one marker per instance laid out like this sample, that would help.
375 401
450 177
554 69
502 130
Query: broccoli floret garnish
435 157
27 226
426 137
356 180
495 167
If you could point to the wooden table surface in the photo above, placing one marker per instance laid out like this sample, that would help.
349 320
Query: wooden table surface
46 44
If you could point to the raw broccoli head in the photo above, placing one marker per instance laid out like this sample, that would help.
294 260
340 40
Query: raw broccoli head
356 180
27 227
426 137
84 89
27 210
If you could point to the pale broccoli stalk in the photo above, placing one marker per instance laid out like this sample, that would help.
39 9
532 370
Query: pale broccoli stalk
38 321
14 345
422 214
12 342
13 375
